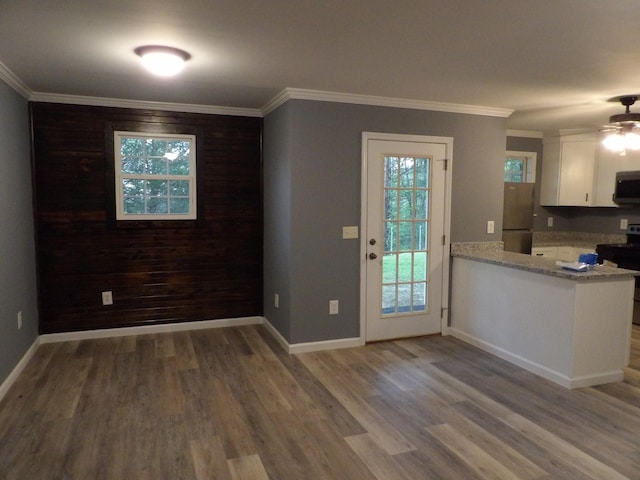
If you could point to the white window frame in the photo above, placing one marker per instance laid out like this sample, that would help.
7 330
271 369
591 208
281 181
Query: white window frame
530 159
120 176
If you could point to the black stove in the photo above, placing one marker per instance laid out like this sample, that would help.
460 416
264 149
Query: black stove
625 255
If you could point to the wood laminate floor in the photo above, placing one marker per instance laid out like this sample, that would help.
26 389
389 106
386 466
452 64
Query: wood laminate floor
230 404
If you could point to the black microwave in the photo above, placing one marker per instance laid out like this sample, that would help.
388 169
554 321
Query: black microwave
627 189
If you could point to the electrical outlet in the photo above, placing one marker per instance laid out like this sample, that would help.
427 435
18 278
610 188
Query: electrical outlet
107 298
549 221
491 226
334 307
276 300
19 319
624 223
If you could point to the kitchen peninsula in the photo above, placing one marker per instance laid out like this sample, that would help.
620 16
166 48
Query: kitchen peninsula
573 328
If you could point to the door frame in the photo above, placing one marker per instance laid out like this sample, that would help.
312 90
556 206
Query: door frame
448 142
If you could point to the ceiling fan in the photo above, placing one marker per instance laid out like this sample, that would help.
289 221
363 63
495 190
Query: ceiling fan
623 129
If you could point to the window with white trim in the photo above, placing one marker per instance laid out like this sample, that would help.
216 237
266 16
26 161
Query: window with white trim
155 176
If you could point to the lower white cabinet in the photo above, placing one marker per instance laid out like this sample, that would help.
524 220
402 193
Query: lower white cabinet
564 253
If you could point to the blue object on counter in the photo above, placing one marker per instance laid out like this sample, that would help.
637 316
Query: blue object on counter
588 258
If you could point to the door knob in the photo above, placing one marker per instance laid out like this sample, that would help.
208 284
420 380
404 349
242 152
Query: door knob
373 256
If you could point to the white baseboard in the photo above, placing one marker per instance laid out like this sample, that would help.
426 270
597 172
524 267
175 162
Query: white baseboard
305 347
542 371
147 329
15 373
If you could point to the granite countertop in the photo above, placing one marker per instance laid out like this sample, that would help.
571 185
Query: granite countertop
491 252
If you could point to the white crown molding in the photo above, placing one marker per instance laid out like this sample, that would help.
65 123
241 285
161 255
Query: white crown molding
14 82
125 103
322 96
524 134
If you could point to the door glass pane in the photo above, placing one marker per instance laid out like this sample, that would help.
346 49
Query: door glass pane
388 299
419 296
406 234
389 268
405 267
419 266
404 297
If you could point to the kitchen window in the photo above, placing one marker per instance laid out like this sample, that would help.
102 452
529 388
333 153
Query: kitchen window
520 167
155 176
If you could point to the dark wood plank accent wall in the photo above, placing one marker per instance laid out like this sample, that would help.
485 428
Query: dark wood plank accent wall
159 272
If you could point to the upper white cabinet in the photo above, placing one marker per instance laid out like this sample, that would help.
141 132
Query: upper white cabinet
568 167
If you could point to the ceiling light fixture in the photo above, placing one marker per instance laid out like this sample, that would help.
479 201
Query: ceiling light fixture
162 61
623 128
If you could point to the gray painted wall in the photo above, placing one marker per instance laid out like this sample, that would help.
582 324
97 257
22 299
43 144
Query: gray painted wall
322 165
17 246
572 219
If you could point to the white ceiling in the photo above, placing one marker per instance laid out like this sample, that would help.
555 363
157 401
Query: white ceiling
554 62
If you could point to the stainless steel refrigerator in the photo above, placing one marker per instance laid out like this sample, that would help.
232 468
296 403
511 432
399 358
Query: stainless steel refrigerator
517 217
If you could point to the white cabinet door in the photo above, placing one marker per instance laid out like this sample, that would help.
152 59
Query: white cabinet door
568 171
577 162
607 164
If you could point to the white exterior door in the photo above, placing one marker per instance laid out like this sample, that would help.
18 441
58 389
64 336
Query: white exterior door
404 246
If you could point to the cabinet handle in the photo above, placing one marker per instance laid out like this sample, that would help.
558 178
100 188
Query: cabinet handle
586 197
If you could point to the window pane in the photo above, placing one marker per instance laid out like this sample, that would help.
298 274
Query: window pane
133 187
389 268
422 172
134 205
388 299
157 205
514 169
157 148
422 198
390 236
156 187
406 204
420 236
391 204
419 296
179 205
179 166
406 172
404 267
157 166
404 297
419 266
406 236
132 147
178 188
391 172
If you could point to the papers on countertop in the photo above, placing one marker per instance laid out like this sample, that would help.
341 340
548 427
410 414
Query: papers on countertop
575 266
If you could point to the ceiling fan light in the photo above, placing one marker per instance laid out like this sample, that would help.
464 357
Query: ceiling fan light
614 142
162 61
631 141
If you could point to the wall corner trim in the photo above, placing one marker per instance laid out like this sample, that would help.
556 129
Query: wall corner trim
15 373
14 82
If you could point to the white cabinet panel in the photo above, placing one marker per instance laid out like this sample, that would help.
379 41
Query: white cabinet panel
568 171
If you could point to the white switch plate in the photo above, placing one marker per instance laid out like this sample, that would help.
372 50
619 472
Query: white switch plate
334 307
491 226
350 232
19 319
107 298
624 223
550 222
276 300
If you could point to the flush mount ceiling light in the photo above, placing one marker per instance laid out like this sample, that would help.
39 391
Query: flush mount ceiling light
623 128
162 61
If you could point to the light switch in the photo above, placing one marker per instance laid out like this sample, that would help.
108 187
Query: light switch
550 222
491 226
624 223
350 232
